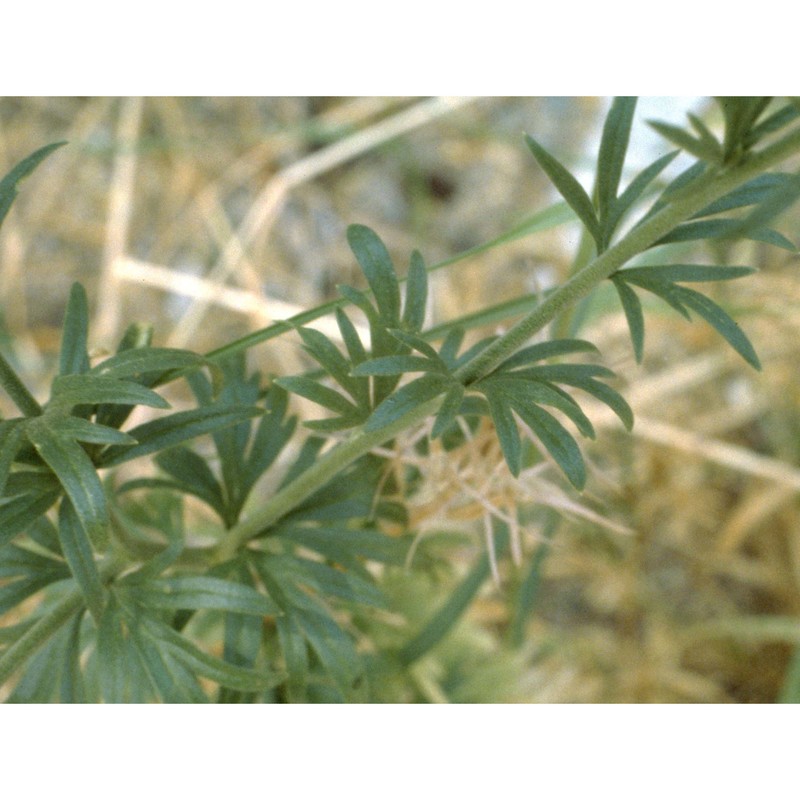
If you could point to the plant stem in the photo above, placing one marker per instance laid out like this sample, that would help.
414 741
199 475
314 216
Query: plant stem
17 391
693 197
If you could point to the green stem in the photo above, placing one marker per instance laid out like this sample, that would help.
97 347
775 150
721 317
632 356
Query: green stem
692 198
316 476
686 202
17 391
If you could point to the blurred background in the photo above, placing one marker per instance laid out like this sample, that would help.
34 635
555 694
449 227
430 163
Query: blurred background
675 577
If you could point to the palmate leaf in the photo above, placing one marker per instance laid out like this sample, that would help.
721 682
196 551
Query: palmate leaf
74 357
72 390
136 362
700 147
448 411
753 192
724 229
568 187
543 350
325 352
660 280
22 511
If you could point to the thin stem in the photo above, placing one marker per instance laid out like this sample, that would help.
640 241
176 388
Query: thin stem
17 390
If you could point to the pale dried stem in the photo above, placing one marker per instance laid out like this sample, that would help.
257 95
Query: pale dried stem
120 207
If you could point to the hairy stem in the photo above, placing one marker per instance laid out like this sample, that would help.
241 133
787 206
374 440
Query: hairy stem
695 196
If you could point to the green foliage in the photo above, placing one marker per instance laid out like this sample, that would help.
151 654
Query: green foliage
282 591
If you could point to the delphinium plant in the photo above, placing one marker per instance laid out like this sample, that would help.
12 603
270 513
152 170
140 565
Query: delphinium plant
117 591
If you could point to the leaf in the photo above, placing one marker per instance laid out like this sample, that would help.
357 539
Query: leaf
17 390
611 158
82 430
635 189
8 186
201 592
21 512
295 656
543 350
193 474
396 365
720 320
325 352
374 259
632 307
685 273
199 662
697 147
74 358
88 389
11 435
77 475
77 551
568 186
318 393
751 193
176 429
507 431
406 399
447 616
558 442
416 293
112 654
138 361
448 411
350 337
723 229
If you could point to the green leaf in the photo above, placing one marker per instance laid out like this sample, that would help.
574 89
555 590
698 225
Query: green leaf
8 186
21 512
11 435
720 320
396 365
611 158
446 416
201 592
568 186
84 431
74 357
724 229
112 654
77 550
201 663
685 273
558 442
636 188
77 475
445 618
88 389
751 193
350 337
17 390
192 473
416 293
295 656
506 429
543 350
135 362
325 352
176 429
632 307
406 399
318 393
697 147
374 259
